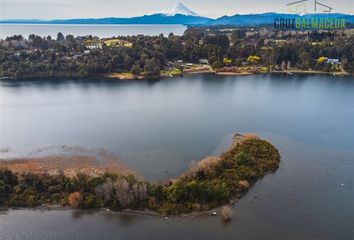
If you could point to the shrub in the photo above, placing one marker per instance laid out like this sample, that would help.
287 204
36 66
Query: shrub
226 212
245 159
74 199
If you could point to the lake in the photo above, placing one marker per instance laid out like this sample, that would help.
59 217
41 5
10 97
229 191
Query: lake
102 31
160 127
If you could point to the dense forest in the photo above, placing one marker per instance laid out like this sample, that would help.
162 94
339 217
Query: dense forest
37 56
212 183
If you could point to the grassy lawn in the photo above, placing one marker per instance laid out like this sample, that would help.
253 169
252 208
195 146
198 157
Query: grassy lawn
171 72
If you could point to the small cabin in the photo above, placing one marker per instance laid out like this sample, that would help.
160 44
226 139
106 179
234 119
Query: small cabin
204 61
93 44
333 61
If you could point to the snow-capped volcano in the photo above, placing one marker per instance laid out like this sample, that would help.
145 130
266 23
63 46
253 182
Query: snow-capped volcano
179 9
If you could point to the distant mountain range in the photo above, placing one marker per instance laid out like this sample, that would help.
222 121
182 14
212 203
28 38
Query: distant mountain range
180 14
146 19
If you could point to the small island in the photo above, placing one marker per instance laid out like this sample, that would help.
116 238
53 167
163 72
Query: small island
212 182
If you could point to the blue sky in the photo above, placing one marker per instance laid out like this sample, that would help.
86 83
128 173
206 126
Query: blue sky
59 9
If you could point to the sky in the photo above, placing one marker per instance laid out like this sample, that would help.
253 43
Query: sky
62 9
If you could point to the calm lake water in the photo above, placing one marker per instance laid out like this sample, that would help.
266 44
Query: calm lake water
101 31
160 127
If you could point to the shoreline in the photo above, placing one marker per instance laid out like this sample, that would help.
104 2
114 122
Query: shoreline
130 77
312 72
215 212
289 72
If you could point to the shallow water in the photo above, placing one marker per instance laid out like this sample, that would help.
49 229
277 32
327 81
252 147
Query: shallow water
160 127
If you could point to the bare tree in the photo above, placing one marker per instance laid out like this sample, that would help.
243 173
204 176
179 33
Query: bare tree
105 191
140 191
123 192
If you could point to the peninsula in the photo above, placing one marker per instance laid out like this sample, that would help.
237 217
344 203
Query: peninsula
210 183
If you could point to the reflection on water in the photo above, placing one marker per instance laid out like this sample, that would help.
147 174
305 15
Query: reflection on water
164 125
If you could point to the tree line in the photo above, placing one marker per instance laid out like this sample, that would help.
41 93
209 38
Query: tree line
65 56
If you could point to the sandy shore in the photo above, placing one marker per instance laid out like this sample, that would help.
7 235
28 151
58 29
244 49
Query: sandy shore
124 76
235 73
295 71
199 70
208 69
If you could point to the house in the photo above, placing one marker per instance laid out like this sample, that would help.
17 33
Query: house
204 61
87 52
251 33
76 56
127 44
92 44
117 43
333 61
169 65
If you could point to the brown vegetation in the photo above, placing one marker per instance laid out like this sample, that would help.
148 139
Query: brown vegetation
68 165
74 199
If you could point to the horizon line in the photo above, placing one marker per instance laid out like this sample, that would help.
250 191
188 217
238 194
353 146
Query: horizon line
236 14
